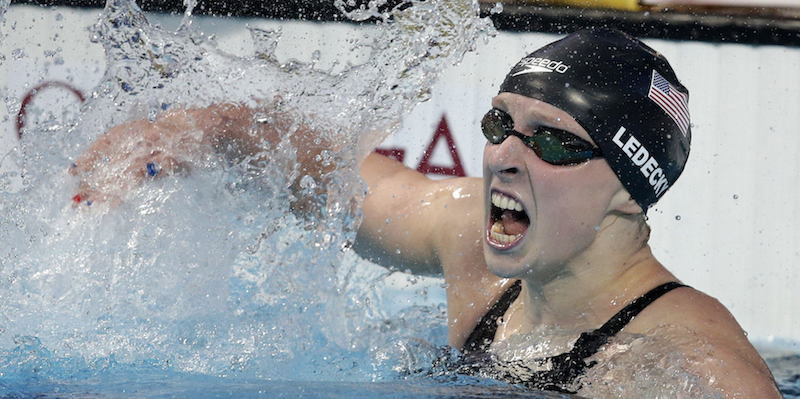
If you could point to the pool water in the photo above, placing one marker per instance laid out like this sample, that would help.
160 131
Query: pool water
162 386
786 369
205 284
150 382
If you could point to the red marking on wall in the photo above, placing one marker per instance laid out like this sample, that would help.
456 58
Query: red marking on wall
397 154
22 115
442 132
425 166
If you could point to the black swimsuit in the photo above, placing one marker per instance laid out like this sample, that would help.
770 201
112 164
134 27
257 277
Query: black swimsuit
565 368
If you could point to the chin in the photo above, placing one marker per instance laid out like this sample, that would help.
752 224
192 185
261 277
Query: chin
503 266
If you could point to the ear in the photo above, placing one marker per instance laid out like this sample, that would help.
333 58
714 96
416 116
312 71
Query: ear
624 202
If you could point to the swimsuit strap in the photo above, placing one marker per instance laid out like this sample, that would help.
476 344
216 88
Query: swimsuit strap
626 315
590 342
564 369
483 334
567 367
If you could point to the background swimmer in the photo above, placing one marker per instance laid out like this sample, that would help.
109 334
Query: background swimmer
573 232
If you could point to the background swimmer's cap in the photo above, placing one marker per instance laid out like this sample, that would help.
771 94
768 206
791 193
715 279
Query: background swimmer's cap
624 94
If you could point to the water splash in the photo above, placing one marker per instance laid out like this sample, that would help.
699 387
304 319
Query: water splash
211 273
3 9
636 366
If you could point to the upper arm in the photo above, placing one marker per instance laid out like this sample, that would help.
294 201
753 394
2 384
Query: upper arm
734 369
715 345
410 221
734 374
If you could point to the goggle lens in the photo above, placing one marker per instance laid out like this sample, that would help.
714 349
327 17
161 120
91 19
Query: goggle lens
554 146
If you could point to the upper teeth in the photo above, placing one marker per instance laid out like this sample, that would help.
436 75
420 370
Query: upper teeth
503 202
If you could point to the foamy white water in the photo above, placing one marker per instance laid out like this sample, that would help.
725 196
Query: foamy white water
211 272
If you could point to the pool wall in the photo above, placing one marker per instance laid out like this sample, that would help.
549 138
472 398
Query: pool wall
729 227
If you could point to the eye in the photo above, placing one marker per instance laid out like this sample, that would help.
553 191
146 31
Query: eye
505 119
576 145
568 141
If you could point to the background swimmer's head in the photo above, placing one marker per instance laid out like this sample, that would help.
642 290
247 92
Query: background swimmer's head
624 94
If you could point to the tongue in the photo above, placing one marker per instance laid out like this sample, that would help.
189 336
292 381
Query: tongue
512 224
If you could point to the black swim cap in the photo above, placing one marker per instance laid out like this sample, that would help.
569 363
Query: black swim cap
624 94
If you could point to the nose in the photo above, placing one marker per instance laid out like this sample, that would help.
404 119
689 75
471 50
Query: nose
505 160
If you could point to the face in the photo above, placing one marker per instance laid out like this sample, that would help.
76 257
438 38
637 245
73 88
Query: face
540 216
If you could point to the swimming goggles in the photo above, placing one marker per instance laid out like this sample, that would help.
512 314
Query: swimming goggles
554 146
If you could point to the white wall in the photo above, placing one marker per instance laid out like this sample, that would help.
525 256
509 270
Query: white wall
728 227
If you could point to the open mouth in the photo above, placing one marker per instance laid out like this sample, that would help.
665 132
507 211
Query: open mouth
508 221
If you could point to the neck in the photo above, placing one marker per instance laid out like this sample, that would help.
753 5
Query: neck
616 269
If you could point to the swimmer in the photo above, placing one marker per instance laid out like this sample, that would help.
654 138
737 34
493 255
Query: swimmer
585 135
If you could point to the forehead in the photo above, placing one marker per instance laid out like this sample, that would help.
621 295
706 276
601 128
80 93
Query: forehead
529 113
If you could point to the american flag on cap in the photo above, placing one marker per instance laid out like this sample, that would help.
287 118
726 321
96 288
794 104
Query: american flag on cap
671 100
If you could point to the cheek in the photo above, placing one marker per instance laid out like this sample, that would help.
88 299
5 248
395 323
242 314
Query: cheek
572 205
558 209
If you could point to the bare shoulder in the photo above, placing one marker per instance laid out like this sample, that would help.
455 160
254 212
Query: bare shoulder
715 344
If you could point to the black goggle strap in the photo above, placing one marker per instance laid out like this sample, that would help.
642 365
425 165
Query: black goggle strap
554 146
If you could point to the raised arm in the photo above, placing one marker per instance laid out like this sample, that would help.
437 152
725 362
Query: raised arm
414 223
410 221
181 139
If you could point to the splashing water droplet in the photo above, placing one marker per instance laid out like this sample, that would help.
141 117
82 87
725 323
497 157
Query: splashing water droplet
210 270
266 41
3 9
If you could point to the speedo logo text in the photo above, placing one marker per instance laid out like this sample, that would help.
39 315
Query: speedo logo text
533 65
641 157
